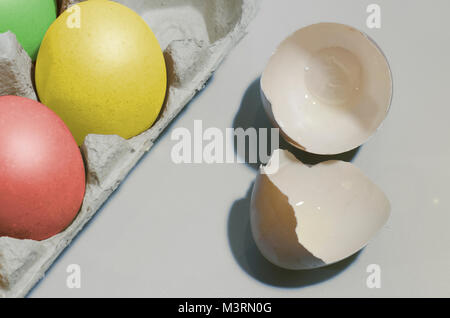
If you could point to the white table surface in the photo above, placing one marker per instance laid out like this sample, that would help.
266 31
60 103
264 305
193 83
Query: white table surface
182 230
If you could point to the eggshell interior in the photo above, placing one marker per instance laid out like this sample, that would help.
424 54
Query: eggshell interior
332 209
328 87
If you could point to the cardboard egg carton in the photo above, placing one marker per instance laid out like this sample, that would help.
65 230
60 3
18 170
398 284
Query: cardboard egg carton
195 35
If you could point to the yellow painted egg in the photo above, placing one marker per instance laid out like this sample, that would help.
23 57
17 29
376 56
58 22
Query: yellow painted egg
101 69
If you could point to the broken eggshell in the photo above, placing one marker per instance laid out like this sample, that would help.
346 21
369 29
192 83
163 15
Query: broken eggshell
328 87
306 217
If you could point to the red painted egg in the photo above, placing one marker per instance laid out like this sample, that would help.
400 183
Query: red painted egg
42 176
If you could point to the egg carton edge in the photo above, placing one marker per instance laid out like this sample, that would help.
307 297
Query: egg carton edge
109 159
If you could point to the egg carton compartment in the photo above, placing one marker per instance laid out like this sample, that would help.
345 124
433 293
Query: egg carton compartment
195 35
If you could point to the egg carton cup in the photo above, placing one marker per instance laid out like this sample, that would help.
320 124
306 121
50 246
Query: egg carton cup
195 35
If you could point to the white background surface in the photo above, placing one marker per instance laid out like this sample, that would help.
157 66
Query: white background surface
182 230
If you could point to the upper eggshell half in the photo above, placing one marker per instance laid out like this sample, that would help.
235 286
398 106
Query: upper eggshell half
306 217
328 87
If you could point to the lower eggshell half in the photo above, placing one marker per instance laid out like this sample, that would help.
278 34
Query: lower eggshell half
306 217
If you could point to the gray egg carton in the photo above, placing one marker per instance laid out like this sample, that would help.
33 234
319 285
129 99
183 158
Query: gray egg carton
195 35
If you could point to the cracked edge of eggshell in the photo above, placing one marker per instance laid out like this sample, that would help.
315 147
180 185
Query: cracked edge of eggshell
109 158
267 105
286 227
302 254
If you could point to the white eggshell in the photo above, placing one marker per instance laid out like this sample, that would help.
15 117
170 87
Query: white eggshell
307 217
328 87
